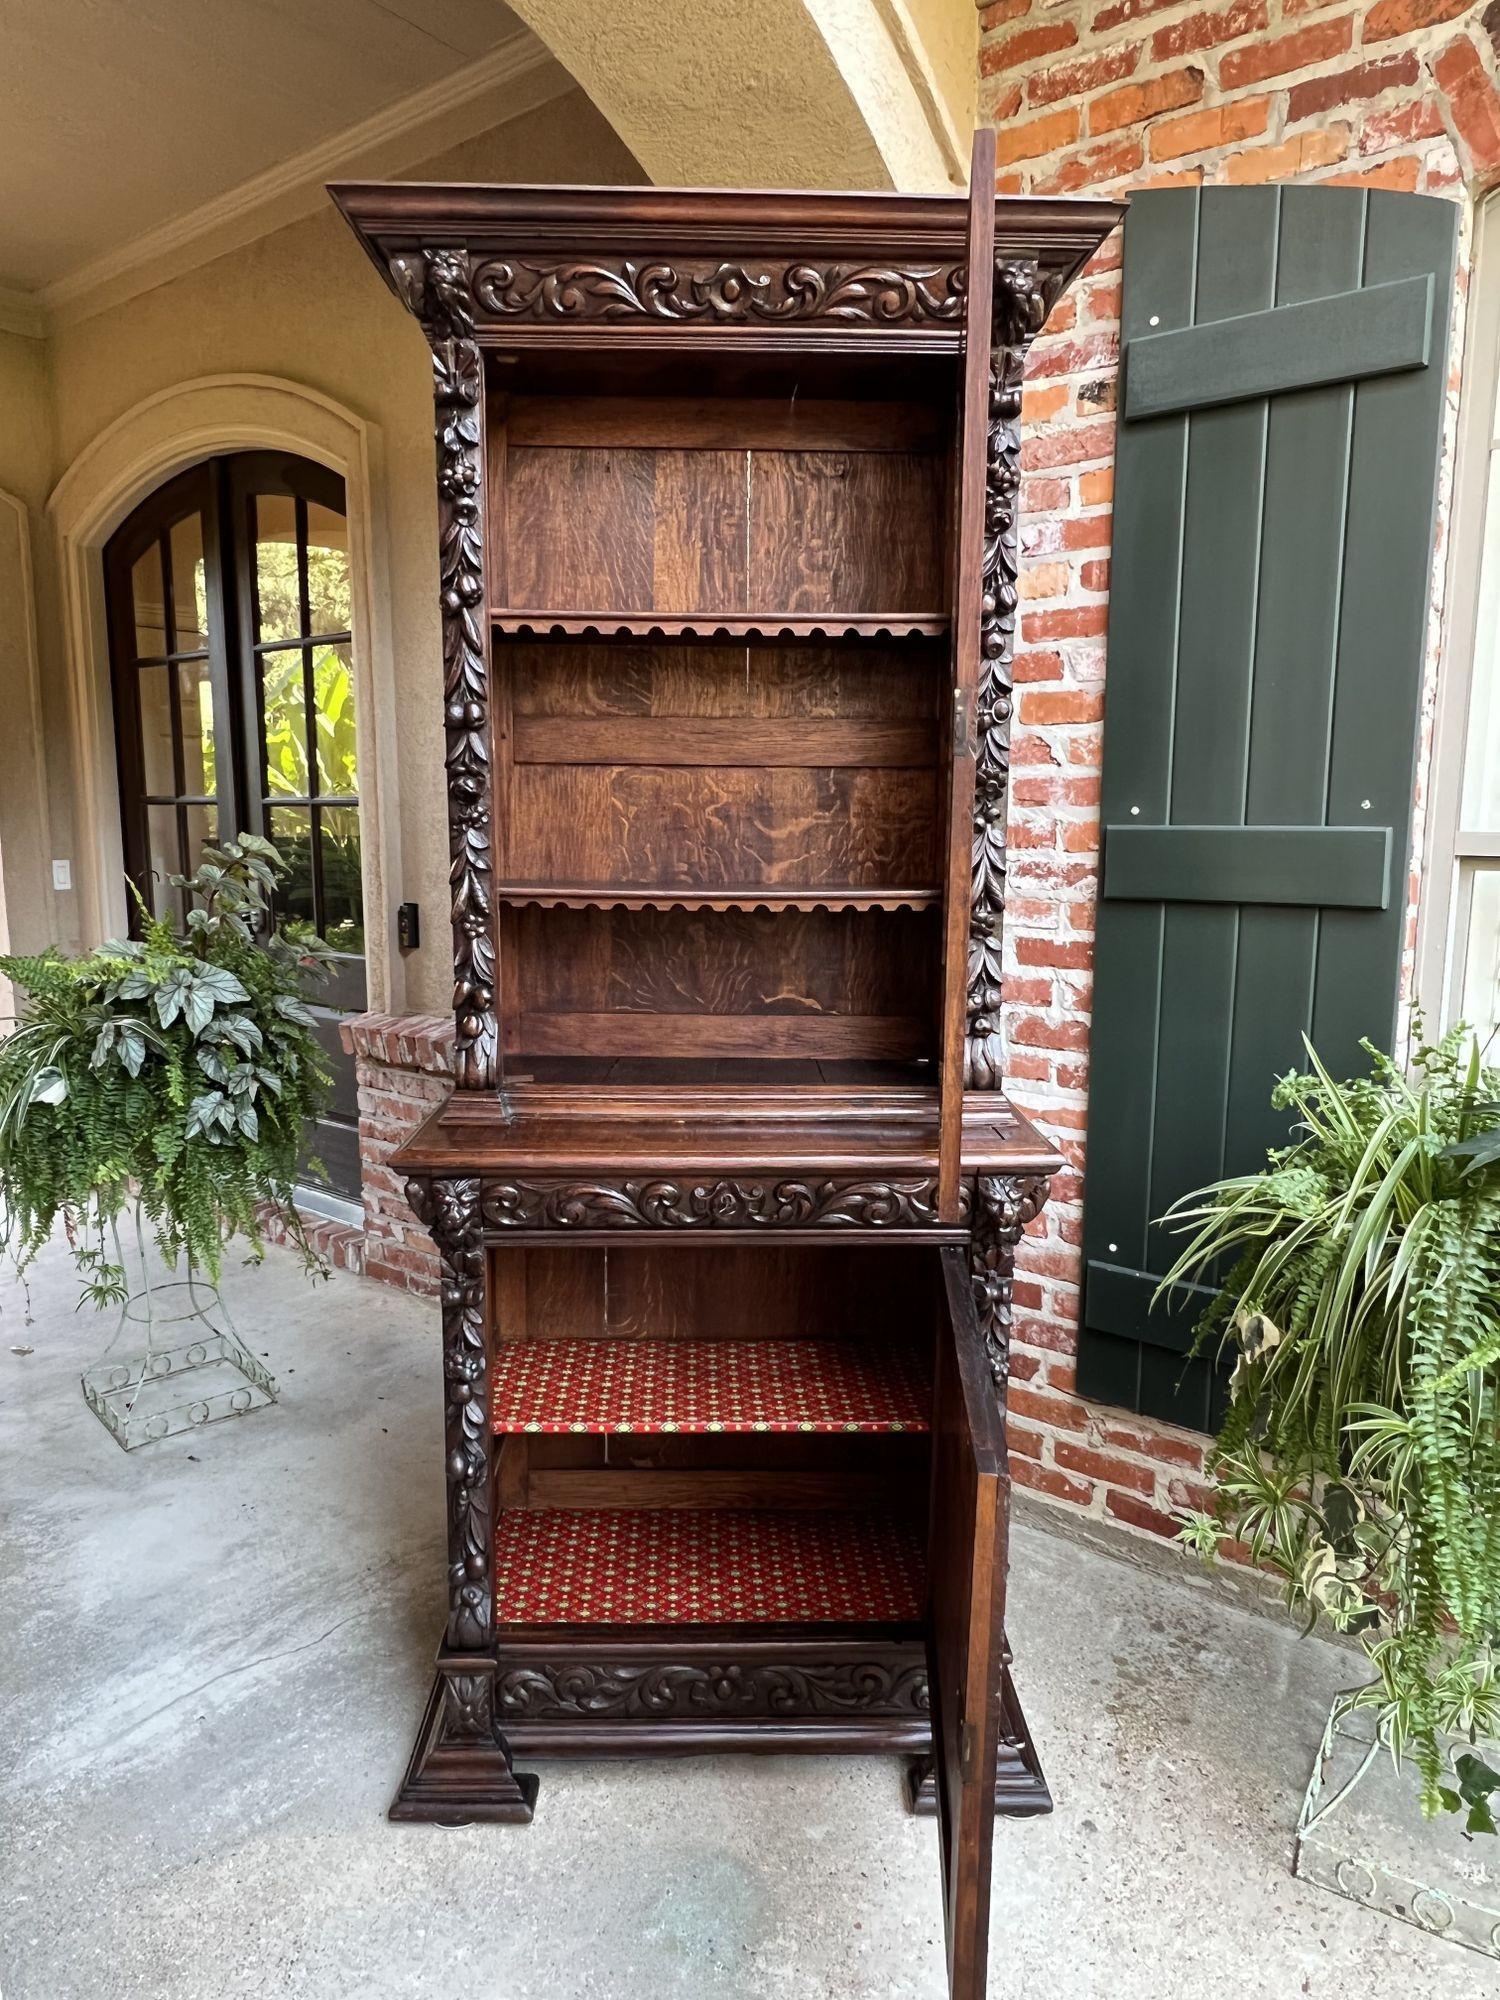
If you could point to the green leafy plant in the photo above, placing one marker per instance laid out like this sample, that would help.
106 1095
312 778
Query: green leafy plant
1360 1454
178 1071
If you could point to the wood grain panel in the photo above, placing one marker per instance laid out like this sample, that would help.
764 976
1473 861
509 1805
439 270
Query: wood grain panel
580 528
706 828
852 531
867 680
734 961
719 423
692 740
876 1038
724 1292
700 501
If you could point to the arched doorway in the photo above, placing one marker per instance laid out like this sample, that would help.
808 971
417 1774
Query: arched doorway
228 599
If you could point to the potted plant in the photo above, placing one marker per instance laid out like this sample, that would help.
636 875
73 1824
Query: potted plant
172 1076
1358 1288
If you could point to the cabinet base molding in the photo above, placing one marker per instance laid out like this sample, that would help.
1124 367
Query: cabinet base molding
845 1696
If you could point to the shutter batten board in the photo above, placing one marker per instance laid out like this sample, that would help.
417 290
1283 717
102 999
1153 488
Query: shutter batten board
1270 586
1377 330
1347 866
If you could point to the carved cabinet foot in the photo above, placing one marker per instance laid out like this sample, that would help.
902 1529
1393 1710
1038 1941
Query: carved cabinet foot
460 1768
1020 1788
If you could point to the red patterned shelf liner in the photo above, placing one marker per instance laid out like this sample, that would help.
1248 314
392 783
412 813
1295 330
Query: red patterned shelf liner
596 1387
665 1566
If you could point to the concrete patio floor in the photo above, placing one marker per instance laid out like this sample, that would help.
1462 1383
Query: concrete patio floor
213 1655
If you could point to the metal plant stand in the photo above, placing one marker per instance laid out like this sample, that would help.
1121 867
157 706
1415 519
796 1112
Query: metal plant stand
1361 1834
194 1369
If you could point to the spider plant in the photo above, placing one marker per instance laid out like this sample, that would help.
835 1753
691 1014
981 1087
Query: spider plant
1360 1453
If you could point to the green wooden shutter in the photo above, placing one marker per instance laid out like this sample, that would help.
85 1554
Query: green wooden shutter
1282 396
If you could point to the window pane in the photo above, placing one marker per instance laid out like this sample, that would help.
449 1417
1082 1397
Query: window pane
157 768
162 859
333 692
1480 1001
202 831
285 711
289 829
195 699
189 591
274 525
327 569
343 914
149 605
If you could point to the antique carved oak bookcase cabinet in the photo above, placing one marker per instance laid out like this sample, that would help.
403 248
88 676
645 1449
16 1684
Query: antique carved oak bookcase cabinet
726 1193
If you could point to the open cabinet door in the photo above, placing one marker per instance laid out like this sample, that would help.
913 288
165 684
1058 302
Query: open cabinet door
965 1621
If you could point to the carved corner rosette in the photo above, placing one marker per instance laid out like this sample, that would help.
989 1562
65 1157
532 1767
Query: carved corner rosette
436 286
469 1708
1003 1206
1021 306
450 1208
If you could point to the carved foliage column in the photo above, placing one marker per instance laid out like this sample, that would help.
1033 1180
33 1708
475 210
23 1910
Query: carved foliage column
435 286
1020 308
1003 1205
450 1209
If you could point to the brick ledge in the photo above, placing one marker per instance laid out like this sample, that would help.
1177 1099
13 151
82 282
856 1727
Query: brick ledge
421 1042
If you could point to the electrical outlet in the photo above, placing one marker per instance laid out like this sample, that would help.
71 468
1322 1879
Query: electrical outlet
62 874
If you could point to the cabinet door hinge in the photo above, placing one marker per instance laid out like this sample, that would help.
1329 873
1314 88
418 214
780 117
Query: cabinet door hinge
963 734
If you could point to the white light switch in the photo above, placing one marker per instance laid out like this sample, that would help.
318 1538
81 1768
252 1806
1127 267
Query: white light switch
62 874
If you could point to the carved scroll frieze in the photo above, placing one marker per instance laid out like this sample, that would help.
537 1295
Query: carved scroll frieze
1020 308
1003 1206
657 1690
711 1204
450 1209
710 291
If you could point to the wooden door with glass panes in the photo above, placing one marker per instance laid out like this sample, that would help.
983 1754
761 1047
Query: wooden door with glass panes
235 710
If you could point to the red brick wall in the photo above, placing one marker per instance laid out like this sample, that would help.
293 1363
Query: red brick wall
1107 96
404 1067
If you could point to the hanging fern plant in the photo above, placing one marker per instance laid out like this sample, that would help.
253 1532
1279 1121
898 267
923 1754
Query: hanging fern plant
1360 1455
178 1070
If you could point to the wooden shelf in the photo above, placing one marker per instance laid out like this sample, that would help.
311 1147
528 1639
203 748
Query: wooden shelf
510 622
605 896
660 1387
665 1566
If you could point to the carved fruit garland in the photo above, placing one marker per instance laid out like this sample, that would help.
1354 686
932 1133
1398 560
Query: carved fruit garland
450 1209
1003 1205
436 287
1020 308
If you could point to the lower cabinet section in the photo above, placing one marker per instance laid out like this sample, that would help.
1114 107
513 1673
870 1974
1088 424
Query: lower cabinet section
731 1499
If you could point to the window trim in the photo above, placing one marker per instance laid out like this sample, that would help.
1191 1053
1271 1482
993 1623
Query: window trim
1447 883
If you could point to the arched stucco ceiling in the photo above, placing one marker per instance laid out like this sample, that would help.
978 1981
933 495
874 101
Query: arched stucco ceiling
776 93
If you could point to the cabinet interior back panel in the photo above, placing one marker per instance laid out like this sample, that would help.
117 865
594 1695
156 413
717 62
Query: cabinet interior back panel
706 520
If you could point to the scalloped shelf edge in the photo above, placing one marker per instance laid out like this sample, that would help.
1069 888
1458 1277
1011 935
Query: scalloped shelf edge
714 625
541 896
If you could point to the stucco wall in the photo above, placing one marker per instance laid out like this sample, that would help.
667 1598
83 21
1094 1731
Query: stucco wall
305 304
27 458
